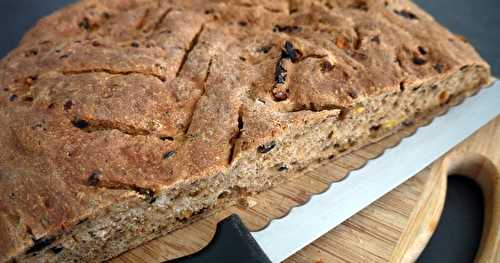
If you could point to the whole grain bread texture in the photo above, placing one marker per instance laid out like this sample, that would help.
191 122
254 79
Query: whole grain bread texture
122 120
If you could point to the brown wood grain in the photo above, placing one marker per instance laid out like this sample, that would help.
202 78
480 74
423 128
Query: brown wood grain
394 228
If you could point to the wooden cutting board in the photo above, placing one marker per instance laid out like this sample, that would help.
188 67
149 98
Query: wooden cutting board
394 228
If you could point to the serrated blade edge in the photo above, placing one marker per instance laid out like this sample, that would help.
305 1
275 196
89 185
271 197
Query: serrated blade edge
303 224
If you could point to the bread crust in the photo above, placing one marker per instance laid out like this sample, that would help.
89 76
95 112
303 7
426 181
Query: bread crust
122 101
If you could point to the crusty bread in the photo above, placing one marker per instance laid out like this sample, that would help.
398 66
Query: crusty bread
125 119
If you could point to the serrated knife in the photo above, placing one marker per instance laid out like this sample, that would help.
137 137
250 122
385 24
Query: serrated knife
304 224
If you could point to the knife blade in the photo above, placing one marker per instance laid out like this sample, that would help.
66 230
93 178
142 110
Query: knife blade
303 224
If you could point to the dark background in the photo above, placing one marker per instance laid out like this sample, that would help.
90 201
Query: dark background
459 230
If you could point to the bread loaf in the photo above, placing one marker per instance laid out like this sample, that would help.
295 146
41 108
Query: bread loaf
122 120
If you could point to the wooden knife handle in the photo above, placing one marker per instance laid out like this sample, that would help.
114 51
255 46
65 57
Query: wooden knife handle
426 217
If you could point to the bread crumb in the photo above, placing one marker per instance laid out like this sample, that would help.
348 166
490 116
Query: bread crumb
251 202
